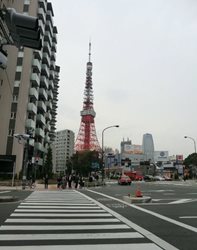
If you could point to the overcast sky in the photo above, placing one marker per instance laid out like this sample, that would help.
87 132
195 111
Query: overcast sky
144 55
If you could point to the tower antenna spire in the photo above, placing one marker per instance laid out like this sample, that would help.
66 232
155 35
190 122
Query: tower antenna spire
89 51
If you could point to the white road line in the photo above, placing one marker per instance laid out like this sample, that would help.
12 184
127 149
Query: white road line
63 227
61 210
138 246
165 245
52 220
57 203
3 192
59 215
54 206
188 227
11 237
180 201
188 217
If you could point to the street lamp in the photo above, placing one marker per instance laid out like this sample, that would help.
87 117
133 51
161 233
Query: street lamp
102 154
193 141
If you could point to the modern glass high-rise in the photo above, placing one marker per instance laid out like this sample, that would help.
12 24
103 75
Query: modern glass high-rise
29 88
148 147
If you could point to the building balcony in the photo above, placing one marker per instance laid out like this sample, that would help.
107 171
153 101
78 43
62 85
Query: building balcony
47 48
51 75
47 139
39 132
53 55
44 82
41 25
43 4
46 59
50 16
54 47
31 108
48 116
49 105
50 94
48 127
36 65
33 92
54 39
40 118
51 84
52 66
42 106
48 37
38 147
30 124
35 80
37 54
48 27
45 70
43 94
42 15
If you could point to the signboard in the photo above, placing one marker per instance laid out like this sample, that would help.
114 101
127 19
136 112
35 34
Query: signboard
133 149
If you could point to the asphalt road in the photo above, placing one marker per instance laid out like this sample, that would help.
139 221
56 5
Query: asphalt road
172 214
168 222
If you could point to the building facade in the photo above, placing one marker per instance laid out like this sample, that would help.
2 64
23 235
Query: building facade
64 149
148 147
29 89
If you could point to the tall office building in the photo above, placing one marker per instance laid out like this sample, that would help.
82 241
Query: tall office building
64 149
29 89
148 147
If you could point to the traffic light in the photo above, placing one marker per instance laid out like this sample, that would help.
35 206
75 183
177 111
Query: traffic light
24 30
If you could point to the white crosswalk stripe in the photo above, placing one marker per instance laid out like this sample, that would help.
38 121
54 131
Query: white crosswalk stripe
67 220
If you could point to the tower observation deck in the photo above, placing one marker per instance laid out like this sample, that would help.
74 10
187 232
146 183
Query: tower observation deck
86 138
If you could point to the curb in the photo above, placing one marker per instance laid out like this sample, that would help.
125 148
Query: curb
144 199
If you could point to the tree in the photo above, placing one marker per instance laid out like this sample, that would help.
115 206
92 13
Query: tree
81 162
48 164
191 160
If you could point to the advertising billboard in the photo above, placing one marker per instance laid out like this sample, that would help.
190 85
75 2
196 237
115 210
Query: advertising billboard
133 149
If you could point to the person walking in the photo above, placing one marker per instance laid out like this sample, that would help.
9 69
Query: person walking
46 181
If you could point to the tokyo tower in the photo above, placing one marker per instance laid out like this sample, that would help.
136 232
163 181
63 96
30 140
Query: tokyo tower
86 138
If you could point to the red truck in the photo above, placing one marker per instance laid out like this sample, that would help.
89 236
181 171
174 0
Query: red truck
134 175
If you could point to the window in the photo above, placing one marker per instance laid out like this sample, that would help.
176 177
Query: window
13 115
26 8
18 76
19 61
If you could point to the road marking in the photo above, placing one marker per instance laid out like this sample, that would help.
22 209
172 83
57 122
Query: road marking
77 236
138 246
193 229
59 215
52 220
54 206
180 201
188 217
61 210
63 203
3 192
62 227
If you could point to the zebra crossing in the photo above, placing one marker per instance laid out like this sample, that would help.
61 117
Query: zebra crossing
68 220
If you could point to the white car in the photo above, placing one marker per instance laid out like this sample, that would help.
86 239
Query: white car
158 178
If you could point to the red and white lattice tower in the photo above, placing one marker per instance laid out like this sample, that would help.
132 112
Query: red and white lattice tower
87 139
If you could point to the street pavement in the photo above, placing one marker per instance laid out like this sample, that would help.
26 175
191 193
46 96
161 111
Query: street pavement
68 219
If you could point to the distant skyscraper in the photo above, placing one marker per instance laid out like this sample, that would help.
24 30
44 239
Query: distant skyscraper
148 147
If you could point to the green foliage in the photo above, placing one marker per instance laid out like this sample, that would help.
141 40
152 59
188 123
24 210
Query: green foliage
81 162
191 160
48 164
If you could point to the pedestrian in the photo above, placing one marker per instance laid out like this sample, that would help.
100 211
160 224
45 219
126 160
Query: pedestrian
76 181
46 180
70 181
59 182
81 182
